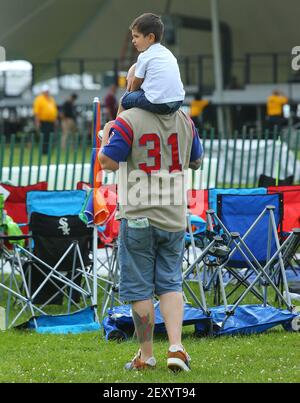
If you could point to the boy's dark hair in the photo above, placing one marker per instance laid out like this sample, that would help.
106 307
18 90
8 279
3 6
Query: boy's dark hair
149 23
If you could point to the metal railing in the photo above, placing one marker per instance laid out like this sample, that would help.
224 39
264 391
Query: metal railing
232 161
243 157
22 161
196 70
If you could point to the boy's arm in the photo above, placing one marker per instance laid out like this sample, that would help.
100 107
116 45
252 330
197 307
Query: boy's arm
136 74
136 84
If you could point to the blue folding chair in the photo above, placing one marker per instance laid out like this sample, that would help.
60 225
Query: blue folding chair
55 203
243 245
238 213
251 223
71 203
195 238
213 194
59 261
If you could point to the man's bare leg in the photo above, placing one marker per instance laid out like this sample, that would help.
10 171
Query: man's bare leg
143 317
171 308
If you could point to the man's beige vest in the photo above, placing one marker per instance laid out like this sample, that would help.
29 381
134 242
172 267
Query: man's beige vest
152 183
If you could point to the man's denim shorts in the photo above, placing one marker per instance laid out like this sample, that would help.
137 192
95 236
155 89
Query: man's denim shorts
150 262
137 99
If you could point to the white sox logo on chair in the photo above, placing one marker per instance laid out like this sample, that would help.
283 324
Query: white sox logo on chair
64 226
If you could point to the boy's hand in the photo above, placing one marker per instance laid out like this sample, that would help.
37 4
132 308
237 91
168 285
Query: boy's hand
130 76
136 83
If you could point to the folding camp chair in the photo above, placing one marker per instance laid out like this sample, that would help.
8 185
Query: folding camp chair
210 258
15 204
15 207
291 219
266 181
215 227
10 233
60 257
252 224
3 254
197 201
291 206
195 236
202 269
213 194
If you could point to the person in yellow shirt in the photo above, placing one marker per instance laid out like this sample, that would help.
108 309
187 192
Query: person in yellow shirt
275 103
45 113
196 109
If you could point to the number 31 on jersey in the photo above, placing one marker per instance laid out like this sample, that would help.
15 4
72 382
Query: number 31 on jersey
155 152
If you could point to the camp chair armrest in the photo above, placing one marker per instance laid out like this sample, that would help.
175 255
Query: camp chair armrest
14 238
22 224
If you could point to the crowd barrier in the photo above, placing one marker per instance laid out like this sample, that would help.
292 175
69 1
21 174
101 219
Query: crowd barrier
236 160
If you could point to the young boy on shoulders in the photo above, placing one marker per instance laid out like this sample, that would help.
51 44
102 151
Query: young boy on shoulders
156 84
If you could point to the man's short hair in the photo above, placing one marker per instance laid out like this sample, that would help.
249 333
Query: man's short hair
149 23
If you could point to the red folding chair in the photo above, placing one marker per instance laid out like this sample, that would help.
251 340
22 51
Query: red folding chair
291 206
15 204
197 201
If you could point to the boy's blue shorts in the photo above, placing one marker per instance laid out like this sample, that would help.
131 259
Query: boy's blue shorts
150 262
137 99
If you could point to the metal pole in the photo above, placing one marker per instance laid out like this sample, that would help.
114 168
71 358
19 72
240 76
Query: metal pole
95 251
218 69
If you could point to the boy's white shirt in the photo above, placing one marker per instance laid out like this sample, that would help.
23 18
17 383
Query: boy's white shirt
159 68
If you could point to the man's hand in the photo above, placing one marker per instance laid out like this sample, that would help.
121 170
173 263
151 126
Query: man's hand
107 163
106 130
195 164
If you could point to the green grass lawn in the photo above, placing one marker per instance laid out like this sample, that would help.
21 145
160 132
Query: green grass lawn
28 357
273 356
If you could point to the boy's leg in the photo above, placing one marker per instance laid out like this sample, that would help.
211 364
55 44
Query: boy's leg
134 99
137 99
166 109
143 317
129 100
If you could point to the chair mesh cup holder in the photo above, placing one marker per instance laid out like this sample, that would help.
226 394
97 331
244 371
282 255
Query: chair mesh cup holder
218 253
